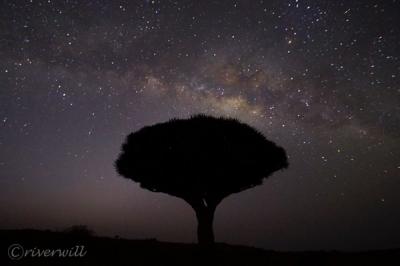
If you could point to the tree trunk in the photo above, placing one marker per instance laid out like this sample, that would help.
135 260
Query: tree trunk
205 217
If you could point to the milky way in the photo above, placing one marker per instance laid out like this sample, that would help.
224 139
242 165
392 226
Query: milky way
319 78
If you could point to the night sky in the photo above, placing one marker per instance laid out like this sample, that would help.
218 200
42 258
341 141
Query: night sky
319 78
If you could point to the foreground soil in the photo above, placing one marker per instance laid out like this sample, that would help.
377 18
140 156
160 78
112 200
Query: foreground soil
80 249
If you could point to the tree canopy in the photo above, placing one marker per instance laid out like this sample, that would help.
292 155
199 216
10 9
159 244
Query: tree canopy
202 159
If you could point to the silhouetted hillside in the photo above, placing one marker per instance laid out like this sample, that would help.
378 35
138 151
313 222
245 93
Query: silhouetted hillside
116 251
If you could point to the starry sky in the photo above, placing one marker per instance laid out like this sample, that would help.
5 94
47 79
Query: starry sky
320 78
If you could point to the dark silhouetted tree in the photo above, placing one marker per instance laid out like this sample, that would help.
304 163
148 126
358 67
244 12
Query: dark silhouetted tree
79 231
201 160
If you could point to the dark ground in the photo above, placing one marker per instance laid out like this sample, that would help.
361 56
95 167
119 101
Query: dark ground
116 251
